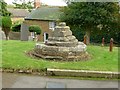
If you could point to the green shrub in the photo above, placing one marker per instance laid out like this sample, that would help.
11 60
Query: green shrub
35 28
6 26
6 22
16 27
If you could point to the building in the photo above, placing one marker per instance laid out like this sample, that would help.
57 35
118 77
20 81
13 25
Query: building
44 16
18 14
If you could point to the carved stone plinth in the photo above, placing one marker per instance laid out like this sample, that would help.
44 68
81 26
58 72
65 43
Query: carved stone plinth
61 45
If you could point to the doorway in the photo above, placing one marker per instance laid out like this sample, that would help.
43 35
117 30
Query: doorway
45 36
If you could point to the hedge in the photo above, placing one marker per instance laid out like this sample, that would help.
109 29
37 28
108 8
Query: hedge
16 27
35 28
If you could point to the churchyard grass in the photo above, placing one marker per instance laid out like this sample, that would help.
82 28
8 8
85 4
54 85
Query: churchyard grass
14 57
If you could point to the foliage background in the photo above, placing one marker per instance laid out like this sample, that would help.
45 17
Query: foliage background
99 19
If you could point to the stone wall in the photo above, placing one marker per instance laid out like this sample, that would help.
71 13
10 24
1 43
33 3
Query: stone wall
14 35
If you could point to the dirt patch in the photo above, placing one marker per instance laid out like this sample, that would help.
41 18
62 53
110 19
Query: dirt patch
41 72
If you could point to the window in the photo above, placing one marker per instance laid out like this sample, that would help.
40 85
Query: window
52 25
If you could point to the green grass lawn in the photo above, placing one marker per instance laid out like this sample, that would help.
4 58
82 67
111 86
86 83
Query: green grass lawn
13 56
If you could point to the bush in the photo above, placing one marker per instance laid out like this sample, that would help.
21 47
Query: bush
35 28
6 22
16 27
6 26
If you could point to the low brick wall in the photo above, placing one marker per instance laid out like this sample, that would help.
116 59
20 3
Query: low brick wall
83 73
14 35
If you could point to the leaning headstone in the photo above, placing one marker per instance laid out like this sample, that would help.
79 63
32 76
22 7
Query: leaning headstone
24 32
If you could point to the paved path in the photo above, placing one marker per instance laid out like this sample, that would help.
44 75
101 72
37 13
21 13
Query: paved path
29 81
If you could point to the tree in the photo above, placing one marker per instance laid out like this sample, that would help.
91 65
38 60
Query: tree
24 5
3 10
92 17
35 28
6 25
5 18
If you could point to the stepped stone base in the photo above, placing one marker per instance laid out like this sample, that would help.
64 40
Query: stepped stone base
62 53
61 45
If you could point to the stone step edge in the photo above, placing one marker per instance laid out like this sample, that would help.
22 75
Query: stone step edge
85 73
64 72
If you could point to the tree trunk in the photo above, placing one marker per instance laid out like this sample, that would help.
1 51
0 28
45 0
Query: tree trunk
88 36
6 31
7 37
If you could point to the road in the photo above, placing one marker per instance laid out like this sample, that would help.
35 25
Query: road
10 80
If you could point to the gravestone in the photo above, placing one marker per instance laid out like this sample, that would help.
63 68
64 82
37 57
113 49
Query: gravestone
61 45
32 36
2 34
24 32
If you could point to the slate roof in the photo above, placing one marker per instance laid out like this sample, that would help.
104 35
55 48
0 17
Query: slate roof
45 13
18 12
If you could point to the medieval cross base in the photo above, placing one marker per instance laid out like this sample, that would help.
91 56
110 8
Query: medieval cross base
61 45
